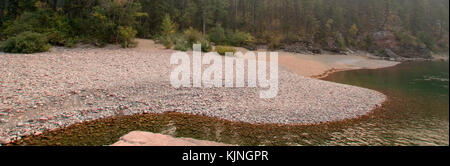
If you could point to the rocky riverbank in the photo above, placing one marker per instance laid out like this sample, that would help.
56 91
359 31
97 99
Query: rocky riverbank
46 91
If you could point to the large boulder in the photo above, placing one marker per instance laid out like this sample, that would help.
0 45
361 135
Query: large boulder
140 138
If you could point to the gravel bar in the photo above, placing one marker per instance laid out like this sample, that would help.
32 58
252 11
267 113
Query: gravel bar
45 91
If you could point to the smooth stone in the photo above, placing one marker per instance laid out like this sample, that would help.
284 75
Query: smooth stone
140 138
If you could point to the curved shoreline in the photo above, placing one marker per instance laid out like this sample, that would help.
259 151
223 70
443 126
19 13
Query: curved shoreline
129 100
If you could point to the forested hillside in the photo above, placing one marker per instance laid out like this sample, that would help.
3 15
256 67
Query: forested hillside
403 27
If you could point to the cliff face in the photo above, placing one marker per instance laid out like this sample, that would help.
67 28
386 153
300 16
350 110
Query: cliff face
387 44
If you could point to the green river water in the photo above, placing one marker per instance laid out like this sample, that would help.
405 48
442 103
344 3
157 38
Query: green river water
416 113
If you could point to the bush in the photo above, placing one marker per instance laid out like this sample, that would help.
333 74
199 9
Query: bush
99 23
167 42
167 34
340 42
105 20
168 27
58 38
239 38
71 42
102 29
274 43
206 45
56 27
290 37
381 52
192 36
181 44
366 43
224 49
126 37
406 39
217 35
26 42
28 21
427 39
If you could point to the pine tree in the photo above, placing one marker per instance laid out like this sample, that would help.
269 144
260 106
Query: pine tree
168 27
168 30
353 32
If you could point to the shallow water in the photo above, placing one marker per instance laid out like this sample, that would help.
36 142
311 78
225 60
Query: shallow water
418 107
417 113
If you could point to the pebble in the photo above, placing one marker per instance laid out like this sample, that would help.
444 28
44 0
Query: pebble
20 124
43 119
3 141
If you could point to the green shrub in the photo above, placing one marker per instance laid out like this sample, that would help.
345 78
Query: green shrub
239 38
167 42
59 31
427 39
126 37
274 43
340 42
224 49
217 35
366 43
102 29
406 39
168 27
181 44
168 31
71 42
26 42
28 21
105 20
192 36
57 38
290 37
56 27
206 45
381 52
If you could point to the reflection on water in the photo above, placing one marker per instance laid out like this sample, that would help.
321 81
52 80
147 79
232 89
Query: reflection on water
417 113
418 109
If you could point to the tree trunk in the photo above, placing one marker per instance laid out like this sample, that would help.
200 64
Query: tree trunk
204 26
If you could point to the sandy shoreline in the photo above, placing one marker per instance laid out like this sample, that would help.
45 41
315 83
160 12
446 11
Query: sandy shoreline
319 66
307 65
46 91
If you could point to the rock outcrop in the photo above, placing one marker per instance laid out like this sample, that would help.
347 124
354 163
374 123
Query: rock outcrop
302 47
386 44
